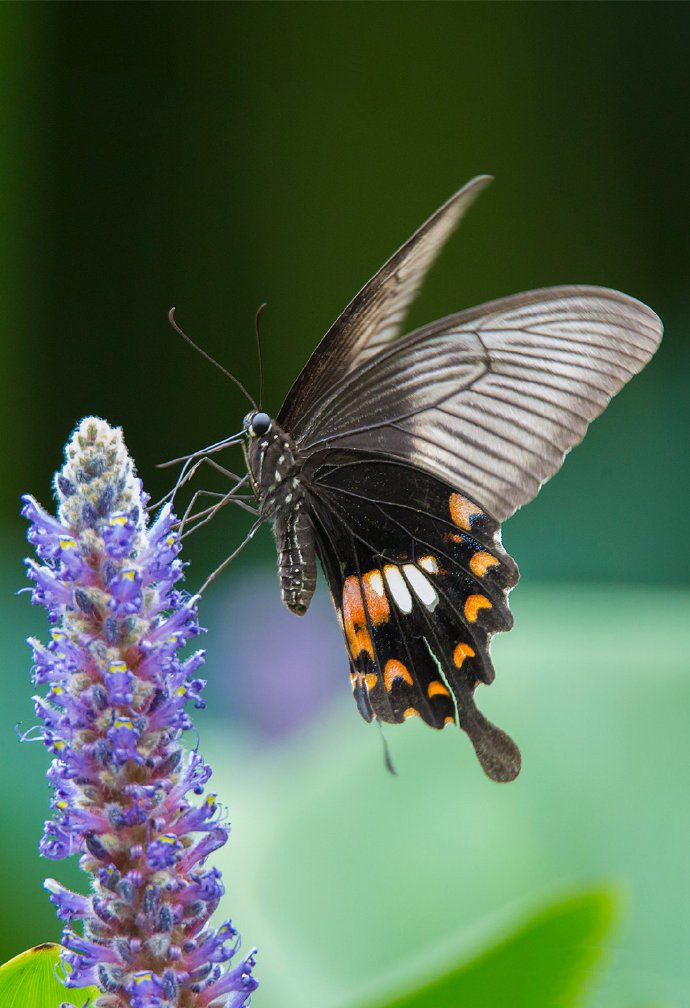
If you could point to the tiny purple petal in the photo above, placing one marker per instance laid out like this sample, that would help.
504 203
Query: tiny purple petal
69 904
44 531
118 535
125 589
119 683
123 737
164 851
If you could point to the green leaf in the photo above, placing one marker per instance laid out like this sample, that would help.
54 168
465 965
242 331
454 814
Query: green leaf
29 981
545 963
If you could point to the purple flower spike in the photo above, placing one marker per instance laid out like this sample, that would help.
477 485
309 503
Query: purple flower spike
113 714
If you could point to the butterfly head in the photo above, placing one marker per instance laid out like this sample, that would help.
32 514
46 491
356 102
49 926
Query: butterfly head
257 423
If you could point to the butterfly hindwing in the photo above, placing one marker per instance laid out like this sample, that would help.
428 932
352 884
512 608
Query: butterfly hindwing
420 582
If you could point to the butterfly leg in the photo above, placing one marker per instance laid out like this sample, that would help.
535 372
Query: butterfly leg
228 560
186 476
201 517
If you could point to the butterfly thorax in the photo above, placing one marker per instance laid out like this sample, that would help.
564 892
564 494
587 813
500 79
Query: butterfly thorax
275 470
274 467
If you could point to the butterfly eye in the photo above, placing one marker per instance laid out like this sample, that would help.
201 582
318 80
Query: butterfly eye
259 424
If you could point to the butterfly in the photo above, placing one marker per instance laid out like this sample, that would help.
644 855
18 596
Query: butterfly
395 459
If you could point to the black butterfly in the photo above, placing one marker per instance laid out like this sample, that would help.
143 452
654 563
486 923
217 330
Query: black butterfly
395 459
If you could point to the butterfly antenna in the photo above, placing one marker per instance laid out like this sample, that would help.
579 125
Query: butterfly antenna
257 327
212 360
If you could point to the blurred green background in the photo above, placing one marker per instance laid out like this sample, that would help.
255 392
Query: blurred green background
214 156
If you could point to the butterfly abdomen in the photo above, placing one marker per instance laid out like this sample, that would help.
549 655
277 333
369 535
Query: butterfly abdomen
296 558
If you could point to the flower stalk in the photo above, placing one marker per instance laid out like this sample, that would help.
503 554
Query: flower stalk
116 705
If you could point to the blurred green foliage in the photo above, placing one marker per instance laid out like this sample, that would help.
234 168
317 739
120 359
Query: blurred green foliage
214 156
29 981
548 961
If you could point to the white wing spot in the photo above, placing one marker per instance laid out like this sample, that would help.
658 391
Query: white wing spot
422 587
376 582
429 563
399 590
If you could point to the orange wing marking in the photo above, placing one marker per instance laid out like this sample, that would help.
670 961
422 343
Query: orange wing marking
395 670
376 598
461 510
436 688
410 712
354 615
461 652
355 619
473 604
480 563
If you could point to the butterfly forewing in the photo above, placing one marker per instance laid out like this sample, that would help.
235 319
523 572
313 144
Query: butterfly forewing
491 399
420 583
374 316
